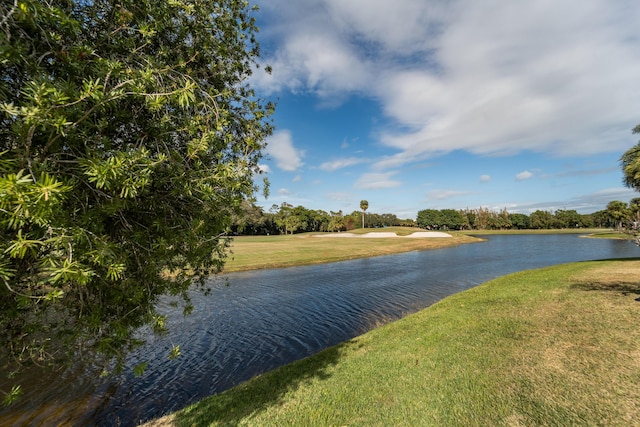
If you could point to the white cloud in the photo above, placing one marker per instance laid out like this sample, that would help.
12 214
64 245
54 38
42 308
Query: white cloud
376 181
280 147
446 194
524 175
491 77
341 163
485 178
297 178
264 168
284 192
586 203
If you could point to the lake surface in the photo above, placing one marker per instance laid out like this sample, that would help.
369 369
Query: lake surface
255 321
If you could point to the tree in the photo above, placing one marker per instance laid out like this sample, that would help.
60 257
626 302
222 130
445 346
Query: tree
519 221
429 219
600 218
128 136
568 218
364 205
630 161
541 219
618 213
337 221
450 219
634 206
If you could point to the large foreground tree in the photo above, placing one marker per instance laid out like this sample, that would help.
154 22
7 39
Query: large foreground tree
631 165
631 169
128 135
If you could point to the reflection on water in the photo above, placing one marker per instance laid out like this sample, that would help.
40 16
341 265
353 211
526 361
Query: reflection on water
256 321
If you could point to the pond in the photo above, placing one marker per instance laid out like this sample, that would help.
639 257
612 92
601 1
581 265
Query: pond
256 321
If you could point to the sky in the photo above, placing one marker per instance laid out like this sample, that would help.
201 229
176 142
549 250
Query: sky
434 104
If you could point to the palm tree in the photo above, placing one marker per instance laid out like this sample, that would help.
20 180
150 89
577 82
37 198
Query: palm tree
364 205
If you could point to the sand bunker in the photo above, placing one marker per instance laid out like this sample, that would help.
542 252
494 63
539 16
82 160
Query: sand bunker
383 234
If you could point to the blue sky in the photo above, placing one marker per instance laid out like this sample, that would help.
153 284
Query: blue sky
429 104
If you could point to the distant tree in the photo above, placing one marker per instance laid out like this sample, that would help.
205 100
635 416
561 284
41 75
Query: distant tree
520 221
450 219
364 205
500 220
389 220
470 216
541 219
290 220
350 222
618 212
250 220
634 206
429 219
336 222
567 218
600 218
586 221
465 224
482 218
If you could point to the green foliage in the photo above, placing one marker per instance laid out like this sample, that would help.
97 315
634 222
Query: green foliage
630 161
618 212
485 219
429 219
13 395
631 169
519 221
128 137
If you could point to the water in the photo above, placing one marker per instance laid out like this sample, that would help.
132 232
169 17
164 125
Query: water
256 321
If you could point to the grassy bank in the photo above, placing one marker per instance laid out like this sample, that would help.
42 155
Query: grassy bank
257 252
609 234
556 346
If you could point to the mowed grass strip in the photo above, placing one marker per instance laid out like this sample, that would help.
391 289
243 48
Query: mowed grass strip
258 252
556 346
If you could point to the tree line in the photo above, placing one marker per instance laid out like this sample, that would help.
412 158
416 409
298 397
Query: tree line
287 219
618 215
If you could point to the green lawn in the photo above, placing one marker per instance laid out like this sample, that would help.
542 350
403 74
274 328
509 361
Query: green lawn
557 346
258 252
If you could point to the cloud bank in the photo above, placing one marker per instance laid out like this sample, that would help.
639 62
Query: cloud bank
491 78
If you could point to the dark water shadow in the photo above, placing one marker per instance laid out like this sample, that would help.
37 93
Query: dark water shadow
233 406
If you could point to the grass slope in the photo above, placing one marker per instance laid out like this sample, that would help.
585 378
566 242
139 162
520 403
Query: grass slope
556 346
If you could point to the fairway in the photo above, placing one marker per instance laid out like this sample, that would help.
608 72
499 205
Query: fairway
258 252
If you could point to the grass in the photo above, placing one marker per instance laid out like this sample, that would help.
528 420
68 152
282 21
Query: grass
557 346
258 252
609 234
